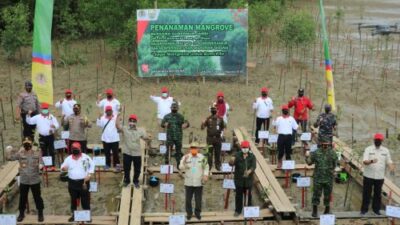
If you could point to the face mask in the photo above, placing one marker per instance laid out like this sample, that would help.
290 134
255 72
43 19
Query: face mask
45 111
194 151
377 143
213 112
76 152
109 96
76 111
301 94
28 89
264 94
285 112
220 100
68 96
174 110
27 146
245 150
132 124
164 95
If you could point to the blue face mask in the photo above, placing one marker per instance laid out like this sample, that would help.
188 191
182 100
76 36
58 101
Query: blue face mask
45 111
164 95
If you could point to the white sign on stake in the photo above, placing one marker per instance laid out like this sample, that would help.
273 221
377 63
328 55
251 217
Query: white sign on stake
82 215
176 220
162 136
93 186
163 149
313 148
47 160
305 136
8 219
99 160
251 212
392 211
228 184
60 144
273 138
226 147
167 188
225 167
263 134
303 182
288 165
166 169
327 219
64 135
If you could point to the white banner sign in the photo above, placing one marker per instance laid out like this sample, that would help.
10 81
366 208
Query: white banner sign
163 149
313 148
225 167
47 160
60 144
162 136
166 169
393 211
176 220
263 134
99 160
8 219
303 182
64 135
166 188
228 184
305 136
273 138
288 164
93 186
251 212
226 147
82 215
327 219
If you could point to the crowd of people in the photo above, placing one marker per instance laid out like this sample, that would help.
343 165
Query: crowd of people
79 166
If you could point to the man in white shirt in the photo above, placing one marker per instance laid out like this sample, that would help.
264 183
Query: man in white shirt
110 100
284 126
110 137
263 107
196 170
375 159
67 104
163 103
46 125
79 167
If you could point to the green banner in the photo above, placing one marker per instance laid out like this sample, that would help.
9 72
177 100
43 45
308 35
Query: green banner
192 42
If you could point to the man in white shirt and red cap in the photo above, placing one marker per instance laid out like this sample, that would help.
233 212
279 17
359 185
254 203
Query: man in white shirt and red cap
263 107
110 100
67 104
46 125
163 103
80 167
284 125
375 159
110 137
222 107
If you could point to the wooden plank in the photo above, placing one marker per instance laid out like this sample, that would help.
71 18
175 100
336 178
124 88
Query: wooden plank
60 219
10 172
269 175
265 183
137 208
124 208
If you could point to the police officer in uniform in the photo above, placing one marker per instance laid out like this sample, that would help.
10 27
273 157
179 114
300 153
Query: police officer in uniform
215 125
325 160
327 124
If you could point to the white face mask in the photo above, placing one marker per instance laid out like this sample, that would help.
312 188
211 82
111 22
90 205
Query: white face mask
164 95
245 150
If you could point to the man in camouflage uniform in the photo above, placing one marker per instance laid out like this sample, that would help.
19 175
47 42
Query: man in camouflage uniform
325 160
174 123
215 125
30 163
27 101
327 124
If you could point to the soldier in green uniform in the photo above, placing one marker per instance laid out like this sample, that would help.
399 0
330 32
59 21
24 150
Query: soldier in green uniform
325 160
327 124
174 123
215 125
245 165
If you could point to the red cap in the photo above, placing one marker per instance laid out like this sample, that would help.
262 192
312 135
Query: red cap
245 144
109 91
108 108
379 136
76 145
220 94
264 89
285 107
68 91
44 105
133 117
164 90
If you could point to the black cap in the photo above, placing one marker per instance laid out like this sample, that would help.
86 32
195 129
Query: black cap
301 90
28 83
328 108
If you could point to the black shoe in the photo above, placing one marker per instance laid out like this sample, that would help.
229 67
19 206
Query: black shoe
314 211
136 184
198 216
40 216
71 219
362 213
377 213
327 210
126 184
236 214
20 217
188 217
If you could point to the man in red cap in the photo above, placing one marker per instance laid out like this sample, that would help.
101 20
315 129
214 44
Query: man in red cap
66 105
164 103
110 100
301 105
131 149
46 125
375 159
263 107
222 106
284 125
245 165
110 137
80 168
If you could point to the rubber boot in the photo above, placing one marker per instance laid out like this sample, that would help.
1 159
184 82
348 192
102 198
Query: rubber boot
21 216
314 211
40 216
279 164
327 210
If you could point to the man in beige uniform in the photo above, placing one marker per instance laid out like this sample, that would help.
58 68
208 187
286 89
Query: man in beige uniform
27 101
375 160
77 124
